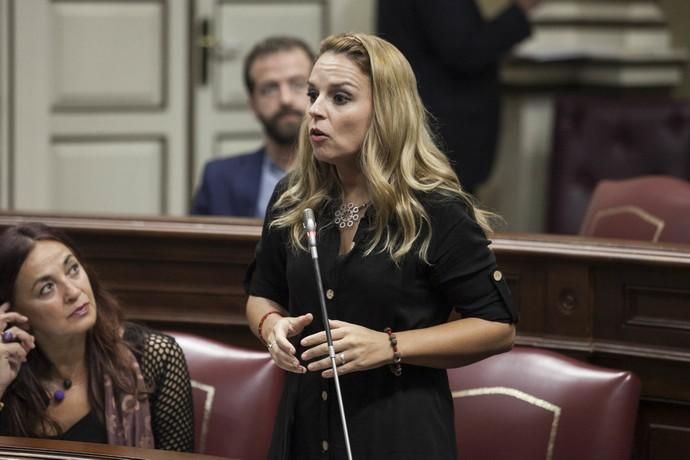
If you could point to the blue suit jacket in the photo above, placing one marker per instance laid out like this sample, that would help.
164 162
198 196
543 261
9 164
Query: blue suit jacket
230 186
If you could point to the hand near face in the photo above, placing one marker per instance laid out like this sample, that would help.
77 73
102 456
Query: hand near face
282 351
15 345
357 348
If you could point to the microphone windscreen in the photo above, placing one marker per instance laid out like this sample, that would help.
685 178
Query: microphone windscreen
309 221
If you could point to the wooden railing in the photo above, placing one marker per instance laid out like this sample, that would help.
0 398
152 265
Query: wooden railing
42 449
618 304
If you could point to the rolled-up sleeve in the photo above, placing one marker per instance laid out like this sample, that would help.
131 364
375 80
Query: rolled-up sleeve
464 267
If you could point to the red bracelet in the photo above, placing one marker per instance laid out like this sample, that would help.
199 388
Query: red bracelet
395 366
261 324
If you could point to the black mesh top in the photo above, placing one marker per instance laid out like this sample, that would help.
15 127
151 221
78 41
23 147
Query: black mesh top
163 365
165 371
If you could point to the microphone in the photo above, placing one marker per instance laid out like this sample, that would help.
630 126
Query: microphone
310 227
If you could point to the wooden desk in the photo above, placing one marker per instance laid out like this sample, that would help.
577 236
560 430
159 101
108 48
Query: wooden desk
28 448
619 304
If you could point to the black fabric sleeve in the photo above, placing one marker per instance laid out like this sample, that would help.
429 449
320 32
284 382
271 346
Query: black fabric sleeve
465 41
172 417
463 266
267 275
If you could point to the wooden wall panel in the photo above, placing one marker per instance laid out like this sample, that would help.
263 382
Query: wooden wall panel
107 55
643 304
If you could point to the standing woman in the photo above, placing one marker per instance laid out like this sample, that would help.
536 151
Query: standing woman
69 367
400 245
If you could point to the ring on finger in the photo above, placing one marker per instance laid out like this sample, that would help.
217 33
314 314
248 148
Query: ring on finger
342 359
270 345
7 336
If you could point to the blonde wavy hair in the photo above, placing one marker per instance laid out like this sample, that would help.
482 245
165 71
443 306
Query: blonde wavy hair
399 157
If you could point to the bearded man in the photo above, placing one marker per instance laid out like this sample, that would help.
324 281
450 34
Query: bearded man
276 71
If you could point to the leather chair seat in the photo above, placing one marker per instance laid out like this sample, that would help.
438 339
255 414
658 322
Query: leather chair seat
236 393
531 404
648 208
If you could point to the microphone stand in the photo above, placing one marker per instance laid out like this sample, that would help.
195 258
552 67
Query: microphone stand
310 227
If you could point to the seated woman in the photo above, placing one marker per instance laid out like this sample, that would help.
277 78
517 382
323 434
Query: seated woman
69 367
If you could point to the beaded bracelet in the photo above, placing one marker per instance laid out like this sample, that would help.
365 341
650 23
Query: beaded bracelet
261 324
395 366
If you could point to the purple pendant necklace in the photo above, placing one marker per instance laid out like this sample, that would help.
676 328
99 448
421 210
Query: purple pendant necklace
59 394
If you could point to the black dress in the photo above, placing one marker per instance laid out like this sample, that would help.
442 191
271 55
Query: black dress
388 417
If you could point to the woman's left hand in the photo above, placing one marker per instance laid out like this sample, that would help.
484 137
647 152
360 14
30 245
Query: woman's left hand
357 348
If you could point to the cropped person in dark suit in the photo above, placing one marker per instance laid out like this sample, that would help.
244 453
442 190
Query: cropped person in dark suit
275 75
70 368
454 52
401 246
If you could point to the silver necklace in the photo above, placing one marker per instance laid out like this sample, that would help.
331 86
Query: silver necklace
348 214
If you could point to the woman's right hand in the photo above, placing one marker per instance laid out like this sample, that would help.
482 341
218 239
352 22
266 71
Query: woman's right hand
15 344
279 345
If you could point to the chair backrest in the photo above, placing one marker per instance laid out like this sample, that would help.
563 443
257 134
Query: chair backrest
649 208
236 394
534 404
599 138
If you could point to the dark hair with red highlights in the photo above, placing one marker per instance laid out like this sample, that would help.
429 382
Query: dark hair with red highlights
26 399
